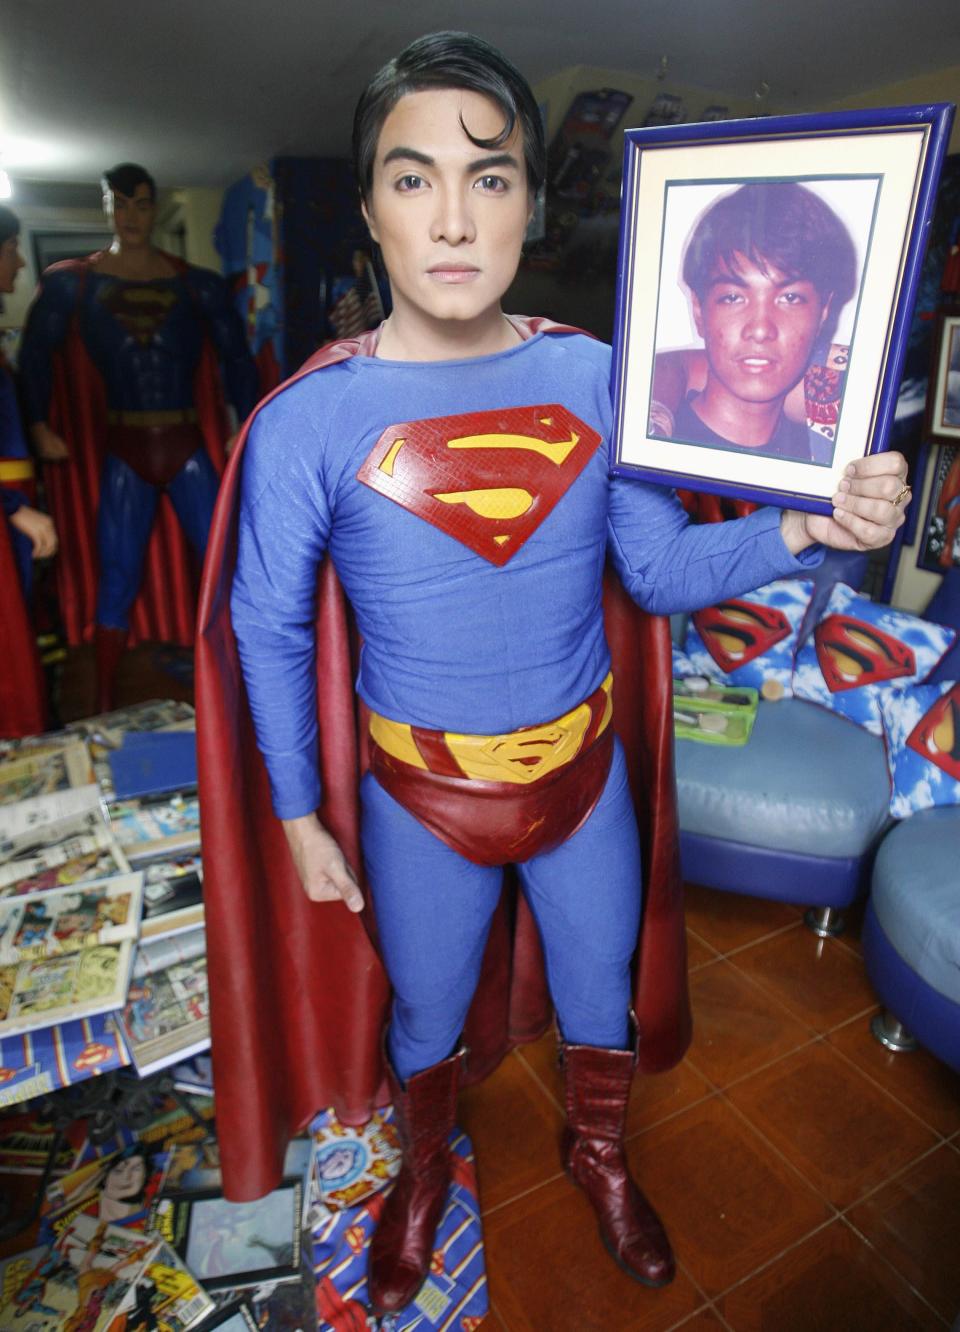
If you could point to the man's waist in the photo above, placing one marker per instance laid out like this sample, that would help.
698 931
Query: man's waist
160 419
521 757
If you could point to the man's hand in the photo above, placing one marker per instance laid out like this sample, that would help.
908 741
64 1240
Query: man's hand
49 444
38 527
869 506
325 875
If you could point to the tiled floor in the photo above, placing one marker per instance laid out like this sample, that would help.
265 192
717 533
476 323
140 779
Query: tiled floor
810 1180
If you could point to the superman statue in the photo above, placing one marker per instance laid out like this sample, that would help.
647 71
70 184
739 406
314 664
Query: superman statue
453 467
129 415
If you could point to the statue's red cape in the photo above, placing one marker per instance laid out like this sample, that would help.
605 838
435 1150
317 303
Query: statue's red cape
165 608
298 992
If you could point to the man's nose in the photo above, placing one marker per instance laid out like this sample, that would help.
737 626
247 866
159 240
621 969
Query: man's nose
453 220
760 325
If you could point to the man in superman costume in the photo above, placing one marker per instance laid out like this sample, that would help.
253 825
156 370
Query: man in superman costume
453 465
119 367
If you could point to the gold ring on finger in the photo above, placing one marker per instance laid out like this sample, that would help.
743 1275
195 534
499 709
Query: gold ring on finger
904 492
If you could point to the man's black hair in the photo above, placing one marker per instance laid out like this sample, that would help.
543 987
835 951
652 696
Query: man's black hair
777 224
450 60
9 224
125 177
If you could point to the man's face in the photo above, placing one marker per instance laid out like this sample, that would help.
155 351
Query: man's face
758 328
11 261
449 217
132 215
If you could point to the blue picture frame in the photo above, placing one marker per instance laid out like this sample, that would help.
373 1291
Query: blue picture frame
818 398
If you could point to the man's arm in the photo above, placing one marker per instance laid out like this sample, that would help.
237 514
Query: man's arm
48 322
283 532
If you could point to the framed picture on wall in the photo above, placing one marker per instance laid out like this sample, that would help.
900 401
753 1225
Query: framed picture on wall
765 286
940 537
943 392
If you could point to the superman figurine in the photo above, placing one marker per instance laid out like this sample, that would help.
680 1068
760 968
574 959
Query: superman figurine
141 421
453 465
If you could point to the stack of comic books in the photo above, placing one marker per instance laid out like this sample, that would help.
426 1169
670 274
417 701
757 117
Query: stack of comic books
166 1017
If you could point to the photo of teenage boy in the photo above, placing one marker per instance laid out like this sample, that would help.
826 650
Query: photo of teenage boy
767 269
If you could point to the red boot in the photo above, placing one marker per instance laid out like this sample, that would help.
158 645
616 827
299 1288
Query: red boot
597 1087
108 649
402 1245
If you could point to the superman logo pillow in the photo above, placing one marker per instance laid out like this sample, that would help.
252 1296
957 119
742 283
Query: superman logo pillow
921 727
861 650
751 640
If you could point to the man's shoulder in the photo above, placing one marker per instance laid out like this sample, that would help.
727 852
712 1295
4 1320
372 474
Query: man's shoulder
313 390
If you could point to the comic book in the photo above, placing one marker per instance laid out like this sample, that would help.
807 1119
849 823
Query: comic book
42 820
38 1062
67 953
82 1281
94 854
64 920
167 1014
167 1298
348 1164
118 1187
147 831
41 771
15 1269
172 895
234 1244
26 1140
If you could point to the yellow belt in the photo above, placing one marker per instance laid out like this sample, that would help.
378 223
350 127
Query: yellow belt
147 420
16 469
507 757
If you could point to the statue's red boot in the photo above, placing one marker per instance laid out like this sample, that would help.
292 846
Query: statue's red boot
403 1242
597 1088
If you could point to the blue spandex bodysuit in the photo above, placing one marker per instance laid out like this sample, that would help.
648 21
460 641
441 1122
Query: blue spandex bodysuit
145 338
454 642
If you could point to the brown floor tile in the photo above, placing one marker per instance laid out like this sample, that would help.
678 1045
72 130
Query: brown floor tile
549 1272
515 1130
737 1026
928 1087
914 1222
704 1321
819 980
652 1098
832 1281
729 1201
838 1128
699 952
730 920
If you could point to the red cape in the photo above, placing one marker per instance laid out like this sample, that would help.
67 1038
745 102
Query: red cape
22 695
165 608
298 993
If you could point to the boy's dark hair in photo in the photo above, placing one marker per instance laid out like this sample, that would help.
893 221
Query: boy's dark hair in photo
774 224
450 60
125 177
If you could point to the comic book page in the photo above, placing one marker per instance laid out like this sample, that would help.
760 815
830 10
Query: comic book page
81 1282
167 1014
40 821
147 831
167 1298
118 1187
41 771
172 895
94 854
64 920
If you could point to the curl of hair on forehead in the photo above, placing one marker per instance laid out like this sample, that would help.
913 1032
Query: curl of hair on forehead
450 60
124 179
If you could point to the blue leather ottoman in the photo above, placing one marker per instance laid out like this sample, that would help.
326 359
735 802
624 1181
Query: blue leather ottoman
794 814
911 933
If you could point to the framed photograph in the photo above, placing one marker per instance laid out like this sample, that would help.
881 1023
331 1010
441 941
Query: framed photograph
766 282
940 537
943 392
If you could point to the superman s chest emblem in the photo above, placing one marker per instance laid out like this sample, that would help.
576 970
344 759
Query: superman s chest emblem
734 632
853 653
936 735
488 479
139 308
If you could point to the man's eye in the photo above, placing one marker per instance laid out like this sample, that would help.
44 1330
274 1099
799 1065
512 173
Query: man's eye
409 182
729 298
792 298
492 184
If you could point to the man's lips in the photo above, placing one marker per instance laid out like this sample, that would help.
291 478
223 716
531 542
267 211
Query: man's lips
754 364
453 273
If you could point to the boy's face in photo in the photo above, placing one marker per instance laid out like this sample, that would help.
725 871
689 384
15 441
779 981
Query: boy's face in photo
449 216
759 328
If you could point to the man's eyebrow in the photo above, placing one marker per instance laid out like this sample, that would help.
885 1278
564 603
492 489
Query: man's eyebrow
408 154
496 160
